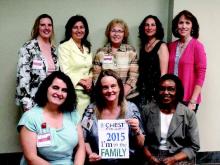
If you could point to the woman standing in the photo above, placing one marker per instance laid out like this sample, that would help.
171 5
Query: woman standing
51 131
37 59
118 56
154 56
111 104
187 57
75 59
172 133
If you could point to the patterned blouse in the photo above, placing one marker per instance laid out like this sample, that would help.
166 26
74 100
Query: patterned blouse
124 62
32 69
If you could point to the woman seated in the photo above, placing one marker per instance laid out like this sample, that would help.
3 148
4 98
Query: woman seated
111 104
172 134
51 131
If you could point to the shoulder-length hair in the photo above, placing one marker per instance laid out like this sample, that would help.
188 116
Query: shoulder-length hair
69 104
114 22
195 25
99 99
35 29
68 29
178 83
159 30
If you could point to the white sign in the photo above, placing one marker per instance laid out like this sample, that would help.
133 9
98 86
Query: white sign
113 139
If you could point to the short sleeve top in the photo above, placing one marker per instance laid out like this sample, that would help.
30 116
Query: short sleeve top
64 140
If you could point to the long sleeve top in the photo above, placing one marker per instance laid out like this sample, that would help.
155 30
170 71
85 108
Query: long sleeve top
74 63
191 68
32 69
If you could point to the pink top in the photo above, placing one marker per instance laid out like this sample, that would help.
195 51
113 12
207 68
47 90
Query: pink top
191 68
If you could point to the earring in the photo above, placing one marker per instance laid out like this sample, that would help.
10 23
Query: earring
191 32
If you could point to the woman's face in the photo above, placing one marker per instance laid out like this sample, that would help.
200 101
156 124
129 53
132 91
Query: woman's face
57 92
78 31
45 28
116 34
184 27
167 92
150 27
110 88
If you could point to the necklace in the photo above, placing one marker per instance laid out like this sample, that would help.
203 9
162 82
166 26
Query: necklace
182 45
80 48
149 45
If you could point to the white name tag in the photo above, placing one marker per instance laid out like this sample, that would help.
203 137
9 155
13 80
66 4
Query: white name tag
44 140
107 59
37 64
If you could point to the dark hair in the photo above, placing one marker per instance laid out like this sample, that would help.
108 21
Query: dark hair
195 25
35 29
100 102
178 83
69 25
159 31
41 96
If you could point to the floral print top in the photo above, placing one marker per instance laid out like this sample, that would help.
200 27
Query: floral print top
32 69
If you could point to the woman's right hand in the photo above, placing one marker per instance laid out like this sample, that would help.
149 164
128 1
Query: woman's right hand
86 84
94 157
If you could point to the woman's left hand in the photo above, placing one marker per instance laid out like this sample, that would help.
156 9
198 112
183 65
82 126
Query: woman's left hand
134 124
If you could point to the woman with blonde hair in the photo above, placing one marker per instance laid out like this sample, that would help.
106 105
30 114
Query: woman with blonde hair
37 59
119 56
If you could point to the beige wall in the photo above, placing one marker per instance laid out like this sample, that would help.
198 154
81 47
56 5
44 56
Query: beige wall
207 13
16 20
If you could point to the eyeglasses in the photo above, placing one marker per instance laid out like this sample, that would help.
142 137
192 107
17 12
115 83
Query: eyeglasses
169 89
117 31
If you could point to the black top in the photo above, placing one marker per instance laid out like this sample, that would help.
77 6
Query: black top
149 73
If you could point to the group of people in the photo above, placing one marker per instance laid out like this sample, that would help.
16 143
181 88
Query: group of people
64 93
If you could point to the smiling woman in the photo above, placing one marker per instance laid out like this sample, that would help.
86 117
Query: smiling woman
187 57
111 104
51 130
171 128
119 56
37 59
75 59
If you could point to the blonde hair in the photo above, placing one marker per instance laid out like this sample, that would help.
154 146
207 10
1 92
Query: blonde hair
35 29
113 23
123 109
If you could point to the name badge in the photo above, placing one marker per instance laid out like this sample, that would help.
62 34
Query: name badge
37 64
44 140
107 59
87 123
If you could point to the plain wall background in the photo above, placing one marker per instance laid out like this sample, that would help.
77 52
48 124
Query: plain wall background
17 18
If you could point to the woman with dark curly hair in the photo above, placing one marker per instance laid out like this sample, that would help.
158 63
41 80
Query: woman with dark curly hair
51 131
153 60
187 58
75 59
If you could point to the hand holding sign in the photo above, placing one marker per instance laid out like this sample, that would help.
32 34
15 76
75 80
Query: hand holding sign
113 139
